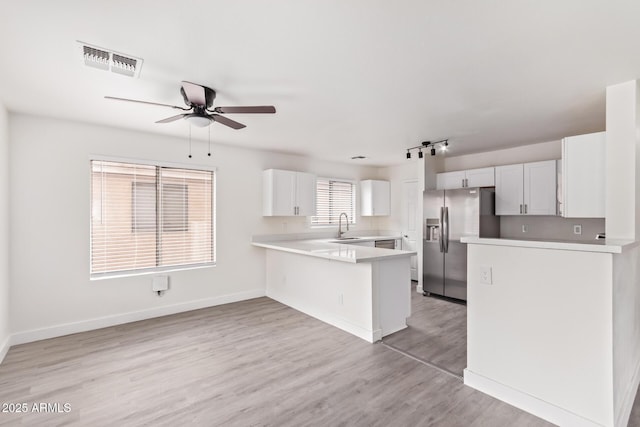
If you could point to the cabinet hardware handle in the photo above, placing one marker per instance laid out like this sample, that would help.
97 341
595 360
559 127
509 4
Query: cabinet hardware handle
466 182
521 209
525 208
462 182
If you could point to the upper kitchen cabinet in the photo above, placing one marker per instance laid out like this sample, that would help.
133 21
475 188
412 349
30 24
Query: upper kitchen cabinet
288 193
483 177
583 176
526 189
374 198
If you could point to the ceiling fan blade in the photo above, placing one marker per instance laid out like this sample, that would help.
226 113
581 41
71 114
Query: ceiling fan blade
247 110
195 93
172 118
147 102
227 122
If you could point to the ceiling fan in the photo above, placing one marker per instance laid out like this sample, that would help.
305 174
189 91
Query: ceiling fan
199 100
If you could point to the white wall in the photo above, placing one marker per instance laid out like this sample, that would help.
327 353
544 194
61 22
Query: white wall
544 333
50 226
4 231
626 333
623 186
526 153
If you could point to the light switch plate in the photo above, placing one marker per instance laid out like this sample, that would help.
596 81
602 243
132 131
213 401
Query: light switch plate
485 275
577 229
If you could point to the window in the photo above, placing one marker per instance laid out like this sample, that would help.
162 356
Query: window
150 218
333 197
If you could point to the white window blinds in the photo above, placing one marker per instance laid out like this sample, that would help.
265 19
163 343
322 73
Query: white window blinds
332 198
150 218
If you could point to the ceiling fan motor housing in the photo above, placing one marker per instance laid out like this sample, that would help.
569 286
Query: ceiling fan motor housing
209 96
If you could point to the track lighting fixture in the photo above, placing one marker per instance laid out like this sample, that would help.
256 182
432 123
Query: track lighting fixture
443 144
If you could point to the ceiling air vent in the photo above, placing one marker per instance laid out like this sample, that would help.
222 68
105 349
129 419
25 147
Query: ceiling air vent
103 59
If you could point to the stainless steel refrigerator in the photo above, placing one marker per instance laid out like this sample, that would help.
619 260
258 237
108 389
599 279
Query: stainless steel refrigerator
448 216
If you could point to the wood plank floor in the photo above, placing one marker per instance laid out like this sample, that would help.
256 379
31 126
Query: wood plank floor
436 333
252 363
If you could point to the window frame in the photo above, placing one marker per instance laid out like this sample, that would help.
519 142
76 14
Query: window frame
354 196
156 269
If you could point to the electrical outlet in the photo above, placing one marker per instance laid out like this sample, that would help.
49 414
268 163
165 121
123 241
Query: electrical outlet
525 228
577 229
485 274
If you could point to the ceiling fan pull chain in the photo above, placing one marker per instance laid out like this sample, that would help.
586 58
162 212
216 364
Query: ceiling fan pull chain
209 153
189 141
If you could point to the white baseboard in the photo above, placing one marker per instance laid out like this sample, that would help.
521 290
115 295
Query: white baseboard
526 402
118 319
4 347
338 322
623 413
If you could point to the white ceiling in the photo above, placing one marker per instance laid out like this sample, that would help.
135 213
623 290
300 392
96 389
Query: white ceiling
348 77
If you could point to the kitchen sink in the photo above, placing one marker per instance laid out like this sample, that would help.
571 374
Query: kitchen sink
347 238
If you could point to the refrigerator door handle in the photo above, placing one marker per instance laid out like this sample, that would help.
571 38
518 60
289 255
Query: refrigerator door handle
441 237
446 230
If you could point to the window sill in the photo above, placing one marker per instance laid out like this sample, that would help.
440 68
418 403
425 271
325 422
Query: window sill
335 226
151 272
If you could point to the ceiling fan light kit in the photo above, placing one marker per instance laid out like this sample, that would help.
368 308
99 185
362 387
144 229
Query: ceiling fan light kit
431 146
199 112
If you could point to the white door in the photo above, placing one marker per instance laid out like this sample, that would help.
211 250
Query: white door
480 177
411 224
540 188
306 194
509 190
450 180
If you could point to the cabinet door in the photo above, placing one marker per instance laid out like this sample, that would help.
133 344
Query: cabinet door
583 176
381 198
306 194
480 177
279 192
540 188
374 197
450 180
509 189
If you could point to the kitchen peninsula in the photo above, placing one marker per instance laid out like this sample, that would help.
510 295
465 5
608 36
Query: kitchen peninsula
552 312
362 290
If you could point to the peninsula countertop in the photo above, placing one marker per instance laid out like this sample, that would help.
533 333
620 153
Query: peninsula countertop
613 246
333 250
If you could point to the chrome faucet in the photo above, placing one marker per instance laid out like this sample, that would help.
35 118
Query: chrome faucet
340 232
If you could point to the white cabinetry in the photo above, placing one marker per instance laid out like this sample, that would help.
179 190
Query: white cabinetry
583 176
526 189
450 180
483 177
288 193
374 198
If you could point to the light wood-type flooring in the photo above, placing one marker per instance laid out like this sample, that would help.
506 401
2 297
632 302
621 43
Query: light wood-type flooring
436 333
251 363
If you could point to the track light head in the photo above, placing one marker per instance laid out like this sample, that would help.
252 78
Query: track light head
433 151
408 154
420 153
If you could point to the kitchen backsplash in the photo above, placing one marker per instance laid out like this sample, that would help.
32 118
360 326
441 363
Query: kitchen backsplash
550 227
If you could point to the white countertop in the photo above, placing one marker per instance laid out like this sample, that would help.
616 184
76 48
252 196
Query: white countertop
327 248
607 246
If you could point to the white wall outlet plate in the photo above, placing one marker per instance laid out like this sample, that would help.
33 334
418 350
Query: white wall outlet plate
485 275
525 228
160 283
577 229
